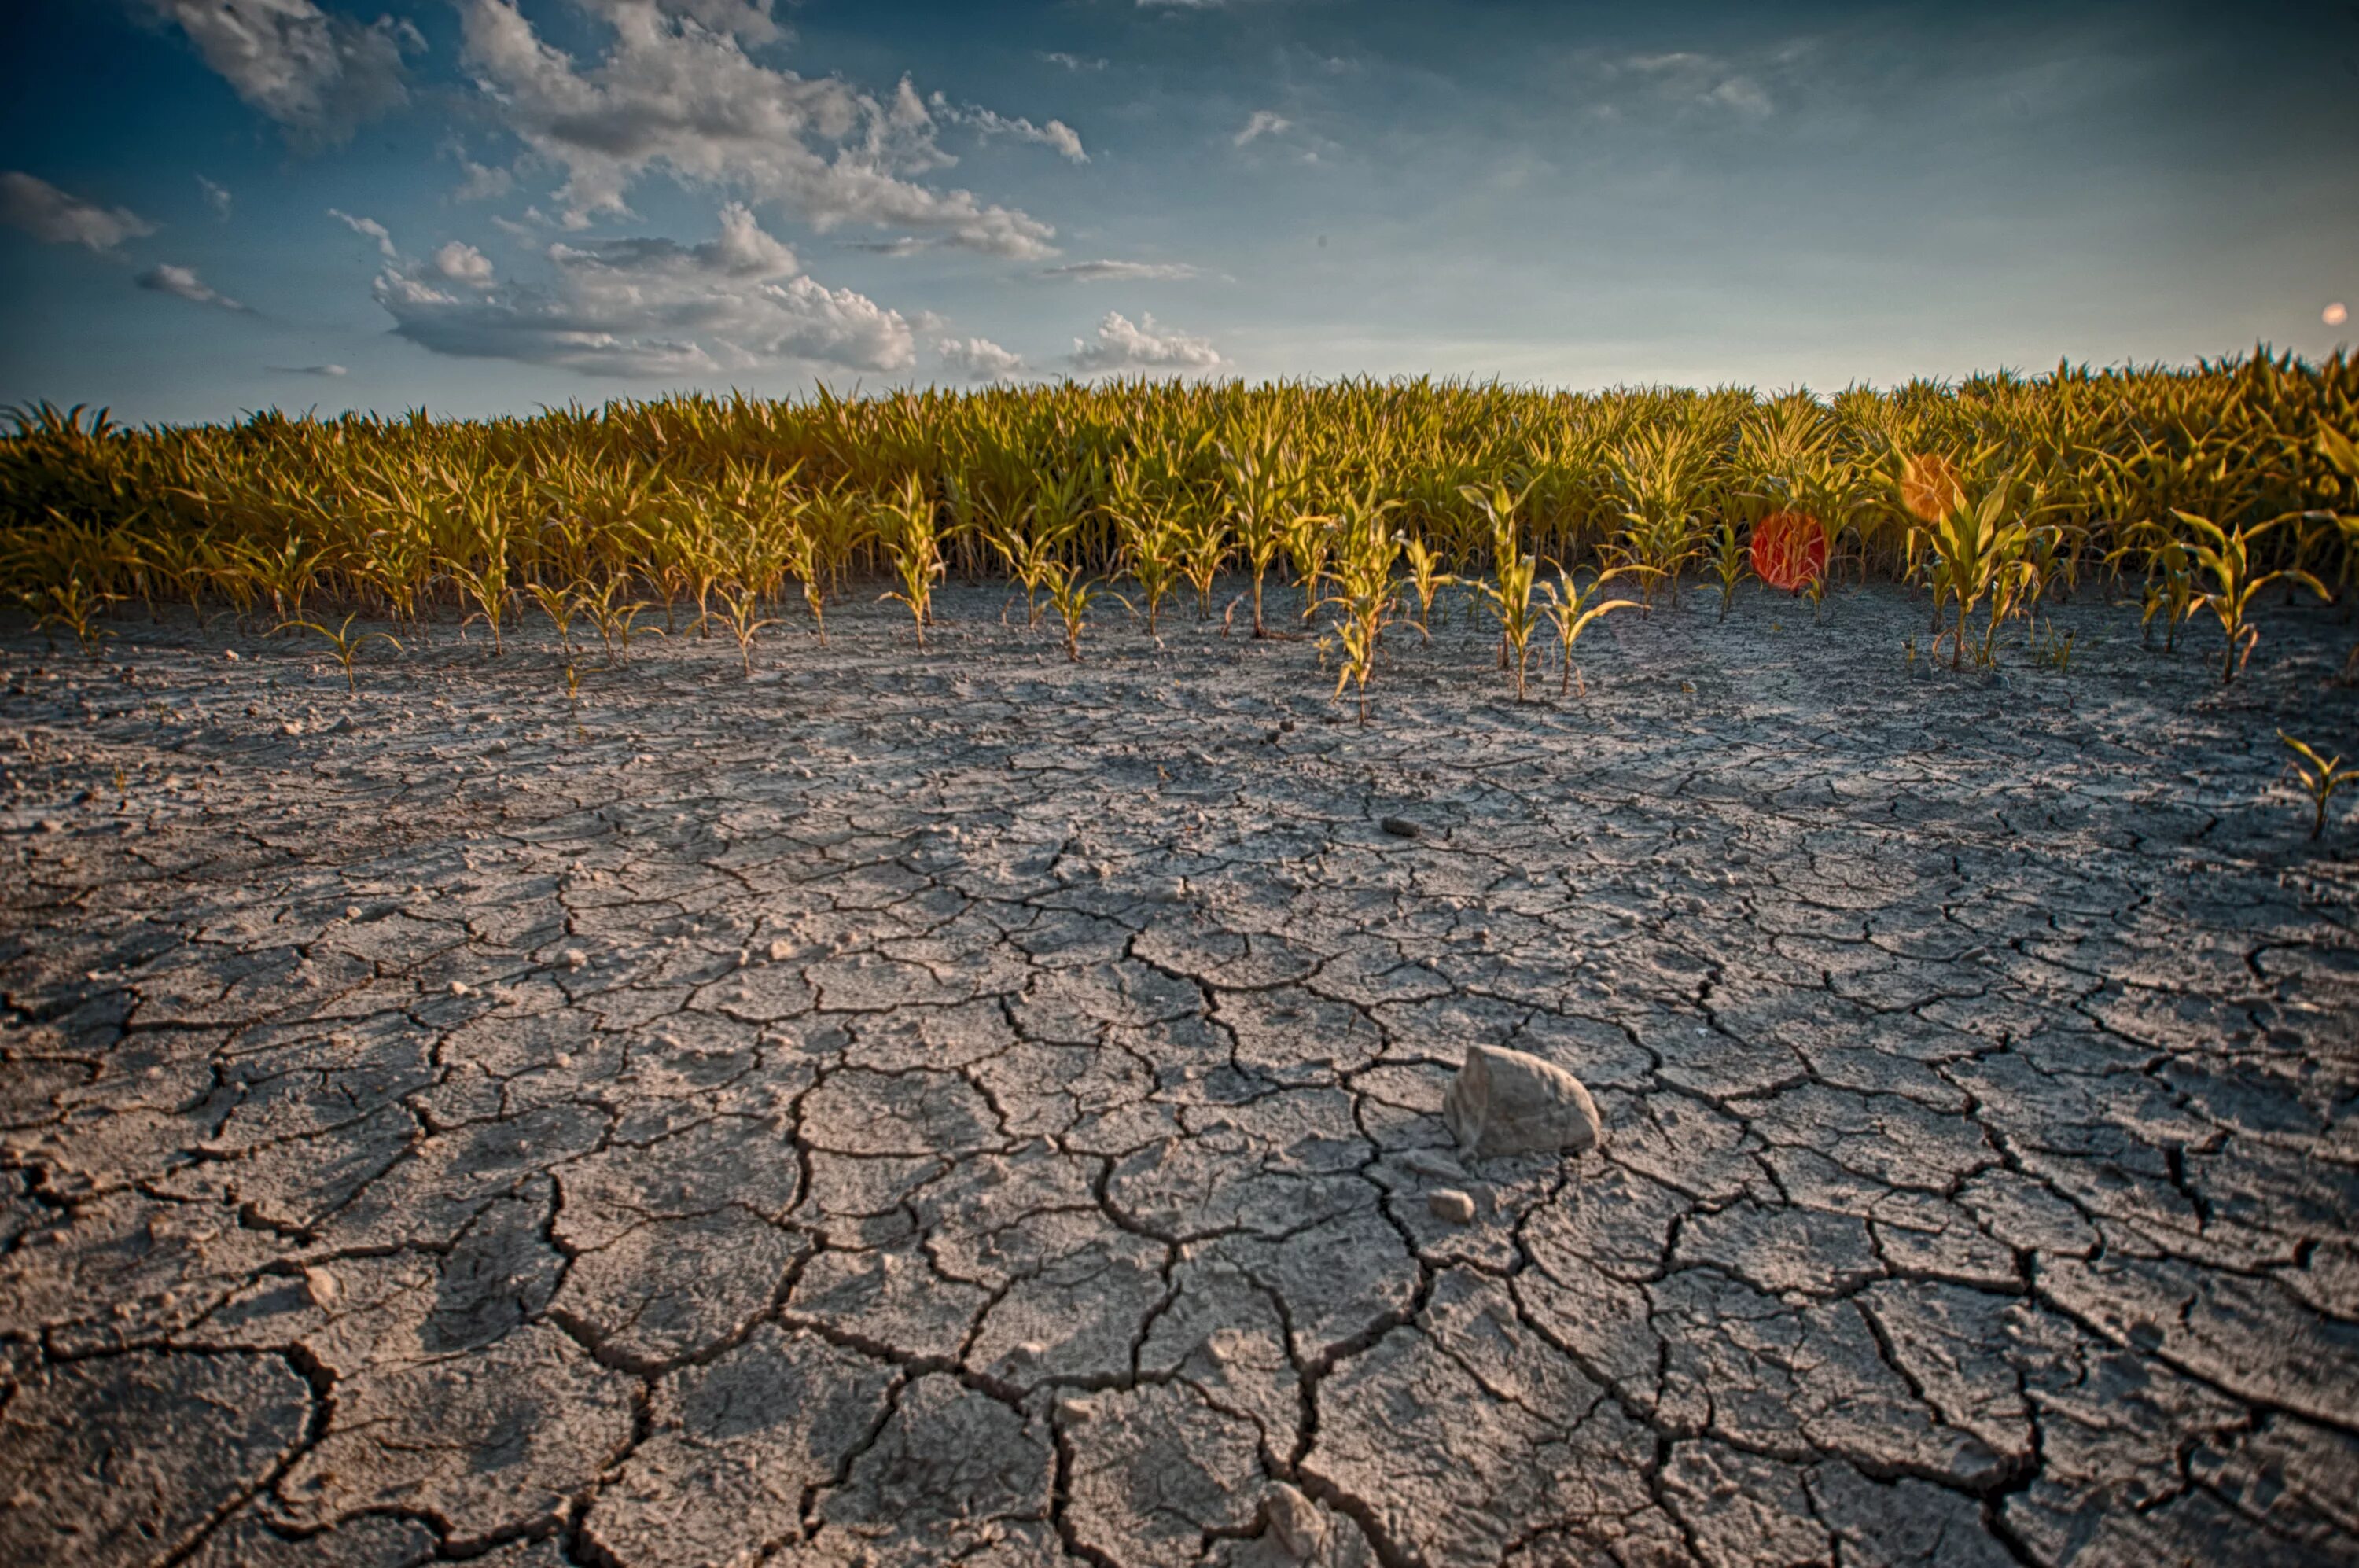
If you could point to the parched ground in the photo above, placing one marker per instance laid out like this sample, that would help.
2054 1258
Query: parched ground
962 1106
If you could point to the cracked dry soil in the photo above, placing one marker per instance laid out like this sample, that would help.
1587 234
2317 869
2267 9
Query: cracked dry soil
958 1106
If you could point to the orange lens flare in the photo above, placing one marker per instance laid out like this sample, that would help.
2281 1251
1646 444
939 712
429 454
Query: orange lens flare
1929 487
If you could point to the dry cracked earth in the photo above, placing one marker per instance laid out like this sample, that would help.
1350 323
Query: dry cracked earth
957 1105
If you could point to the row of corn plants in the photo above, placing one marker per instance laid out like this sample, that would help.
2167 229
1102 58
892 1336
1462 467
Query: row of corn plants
2193 491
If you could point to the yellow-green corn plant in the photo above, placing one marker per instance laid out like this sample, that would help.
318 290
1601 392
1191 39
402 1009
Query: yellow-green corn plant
1572 606
346 643
907 526
2226 557
2321 776
1367 550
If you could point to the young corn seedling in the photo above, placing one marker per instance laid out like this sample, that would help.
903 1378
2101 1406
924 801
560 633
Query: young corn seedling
617 619
1310 541
73 606
1510 596
1073 595
1365 596
482 571
907 528
347 645
741 614
559 604
1204 548
1571 608
1263 480
1730 561
2321 776
827 534
2226 557
1977 550
1426 578
1154 548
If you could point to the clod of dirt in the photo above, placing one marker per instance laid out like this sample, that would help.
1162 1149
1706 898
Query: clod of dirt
1400 827
1507 1102
1450 1203
1293 1520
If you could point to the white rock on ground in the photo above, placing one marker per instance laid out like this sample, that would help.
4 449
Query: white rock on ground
1508 1102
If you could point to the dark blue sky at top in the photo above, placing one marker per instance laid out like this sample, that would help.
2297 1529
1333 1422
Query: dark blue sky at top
1574 195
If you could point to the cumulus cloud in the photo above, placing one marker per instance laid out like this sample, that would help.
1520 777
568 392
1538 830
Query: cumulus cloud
657 308
671 94
1121 345
464 263
331 371
50 214
216 197
182 283
1263 122
319 76
1073 62
1120 271
979 359
367 228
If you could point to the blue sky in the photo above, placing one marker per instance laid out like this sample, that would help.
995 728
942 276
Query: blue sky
211 206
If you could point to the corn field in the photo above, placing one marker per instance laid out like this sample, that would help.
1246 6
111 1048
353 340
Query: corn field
2187 490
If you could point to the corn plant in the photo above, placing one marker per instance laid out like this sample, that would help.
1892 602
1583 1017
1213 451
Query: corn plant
560 602
1572 606
1426 578
346 643
2226 557
1510 592
1154 548
1263 482
1073 595
616 617
1367 550
1204 549
2319 776
1730 561
1978 552
829 531
907 527
1309 539
74 606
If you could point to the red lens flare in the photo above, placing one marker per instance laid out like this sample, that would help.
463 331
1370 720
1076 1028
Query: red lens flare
1790 550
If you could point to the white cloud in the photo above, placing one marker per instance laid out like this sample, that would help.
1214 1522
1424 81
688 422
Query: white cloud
483 184
464 263
1055 134
671 95
1743 94
1073 62
183 283
1122 346
319 76
50 214
1120 271
657 308
749 20
1684 76
979 359
216 197
367 228
1264 123
331 371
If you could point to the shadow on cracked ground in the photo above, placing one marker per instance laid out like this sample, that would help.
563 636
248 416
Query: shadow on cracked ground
960 1105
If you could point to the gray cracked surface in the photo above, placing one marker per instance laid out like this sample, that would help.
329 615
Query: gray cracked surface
956 1105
